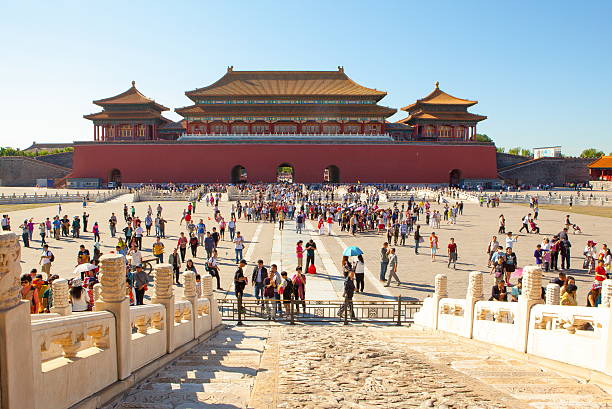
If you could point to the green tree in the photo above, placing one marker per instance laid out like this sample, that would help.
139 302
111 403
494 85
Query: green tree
591 153
500 149
515 151
482 138
526 152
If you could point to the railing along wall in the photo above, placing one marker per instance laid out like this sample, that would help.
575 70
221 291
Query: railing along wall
529 325
67 357
98 197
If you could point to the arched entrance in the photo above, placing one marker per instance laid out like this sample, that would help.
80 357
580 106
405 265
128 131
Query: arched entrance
239 174
115 177
331 174
454 177
284 173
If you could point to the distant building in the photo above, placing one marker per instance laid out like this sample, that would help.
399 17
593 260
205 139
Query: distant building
547 152
304 126
601 169
37 147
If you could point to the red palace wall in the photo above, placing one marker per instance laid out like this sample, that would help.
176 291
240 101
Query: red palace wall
202 163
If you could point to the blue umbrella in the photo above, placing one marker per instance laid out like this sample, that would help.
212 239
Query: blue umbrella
352 251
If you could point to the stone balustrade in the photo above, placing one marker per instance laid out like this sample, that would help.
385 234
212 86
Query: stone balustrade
66 357
66 350
98 197
529 325
148 342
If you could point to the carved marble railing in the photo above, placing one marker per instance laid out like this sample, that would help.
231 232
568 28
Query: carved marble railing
62 359
582 334
66 350
203 321
494 322
451 315
183 322
579 336
148 323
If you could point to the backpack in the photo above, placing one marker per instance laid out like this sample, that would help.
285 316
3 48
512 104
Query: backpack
299 219
52 259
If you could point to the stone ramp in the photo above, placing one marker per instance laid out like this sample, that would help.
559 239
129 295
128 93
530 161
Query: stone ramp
271 366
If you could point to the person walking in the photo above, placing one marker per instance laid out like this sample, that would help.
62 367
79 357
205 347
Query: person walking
452 253
417 238
209 244
25 233
46 259
240 281
433 245
182 246
96 232
349 291
158 250
175 261
238 246
392 268
384 261
193 245
140 284
299 289
359 274
212 266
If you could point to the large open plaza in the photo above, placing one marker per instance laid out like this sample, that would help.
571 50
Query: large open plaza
290 205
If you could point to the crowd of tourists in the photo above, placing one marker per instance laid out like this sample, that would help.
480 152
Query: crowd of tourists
356 210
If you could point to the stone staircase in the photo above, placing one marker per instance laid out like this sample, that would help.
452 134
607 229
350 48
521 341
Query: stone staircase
219 373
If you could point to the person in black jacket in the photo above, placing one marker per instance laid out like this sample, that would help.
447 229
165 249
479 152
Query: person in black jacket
349 291
259 275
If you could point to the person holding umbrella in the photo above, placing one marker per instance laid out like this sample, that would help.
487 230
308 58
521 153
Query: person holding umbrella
359 267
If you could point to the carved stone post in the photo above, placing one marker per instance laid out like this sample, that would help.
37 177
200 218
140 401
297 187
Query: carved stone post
208 293
113 300
440 291
61 297
474 294
97 292
16 366
553 294
606 294
189 294
164 295
606 302
531 295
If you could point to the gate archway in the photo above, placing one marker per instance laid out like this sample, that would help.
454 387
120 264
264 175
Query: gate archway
285 173
454 177
331 174
239 174
115 177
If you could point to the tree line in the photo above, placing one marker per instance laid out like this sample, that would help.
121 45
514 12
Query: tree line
8 151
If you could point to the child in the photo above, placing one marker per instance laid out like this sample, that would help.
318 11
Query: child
546 259
129 291
198 286
538 255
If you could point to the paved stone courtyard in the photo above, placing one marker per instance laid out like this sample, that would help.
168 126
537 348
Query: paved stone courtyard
472 233
360 367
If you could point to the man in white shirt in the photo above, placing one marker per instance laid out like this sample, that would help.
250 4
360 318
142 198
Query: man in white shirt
510 240
136 256
138 232
239 246
525 223
45 260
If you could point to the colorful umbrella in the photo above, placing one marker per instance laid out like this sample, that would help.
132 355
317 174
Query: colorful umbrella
352 251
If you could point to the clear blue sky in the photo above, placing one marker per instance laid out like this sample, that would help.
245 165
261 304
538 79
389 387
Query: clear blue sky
540 69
